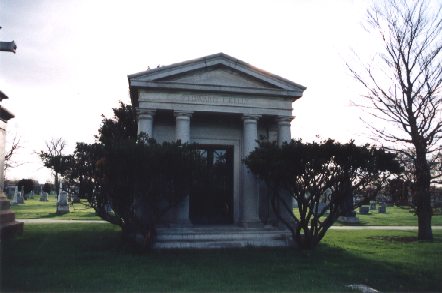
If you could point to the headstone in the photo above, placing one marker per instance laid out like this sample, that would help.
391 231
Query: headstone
372 205
108 208
10 191
62 203
23 194
363 210
382 208
29 195
20 199
348 220
14 199
75 198
321 207
44 196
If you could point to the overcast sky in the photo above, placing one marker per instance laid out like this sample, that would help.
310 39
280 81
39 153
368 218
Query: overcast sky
73 59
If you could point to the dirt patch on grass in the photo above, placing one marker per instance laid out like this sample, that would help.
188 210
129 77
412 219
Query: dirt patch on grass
401 239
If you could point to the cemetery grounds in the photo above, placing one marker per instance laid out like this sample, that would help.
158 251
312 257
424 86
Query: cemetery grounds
76 257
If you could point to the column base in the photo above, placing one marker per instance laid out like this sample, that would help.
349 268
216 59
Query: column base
251 224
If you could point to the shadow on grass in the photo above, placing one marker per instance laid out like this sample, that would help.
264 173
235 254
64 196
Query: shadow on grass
92 257
55 215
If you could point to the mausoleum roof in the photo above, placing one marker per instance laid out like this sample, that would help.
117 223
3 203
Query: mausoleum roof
214 73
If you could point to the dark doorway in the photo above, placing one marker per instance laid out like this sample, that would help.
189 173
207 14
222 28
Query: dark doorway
211 200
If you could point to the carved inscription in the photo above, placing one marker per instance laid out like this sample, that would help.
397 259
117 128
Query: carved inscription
211 100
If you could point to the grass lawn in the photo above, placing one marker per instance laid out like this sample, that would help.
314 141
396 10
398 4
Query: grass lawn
395 216
36 209
91 257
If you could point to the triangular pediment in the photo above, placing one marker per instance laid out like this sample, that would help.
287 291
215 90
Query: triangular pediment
214 73
220 75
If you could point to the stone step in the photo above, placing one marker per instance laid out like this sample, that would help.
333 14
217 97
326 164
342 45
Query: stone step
6 216
5 204
220 237
11 229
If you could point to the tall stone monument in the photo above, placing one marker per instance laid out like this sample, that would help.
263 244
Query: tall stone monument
9 227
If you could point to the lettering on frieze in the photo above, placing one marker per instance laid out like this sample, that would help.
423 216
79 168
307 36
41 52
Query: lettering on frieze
199 99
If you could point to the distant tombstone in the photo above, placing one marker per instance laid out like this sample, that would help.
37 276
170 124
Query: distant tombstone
14 198
372 205
23 194
44 196
108 208
20 199
10 191
29 195
348 220
75 198
382 209
62 203
321 207
363 210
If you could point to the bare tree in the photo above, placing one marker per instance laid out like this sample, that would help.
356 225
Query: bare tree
11 152
403 88
54 159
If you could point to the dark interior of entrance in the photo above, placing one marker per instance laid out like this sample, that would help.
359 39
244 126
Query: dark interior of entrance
211 200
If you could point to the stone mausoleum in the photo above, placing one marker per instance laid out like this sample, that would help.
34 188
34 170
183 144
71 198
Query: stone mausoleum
225 105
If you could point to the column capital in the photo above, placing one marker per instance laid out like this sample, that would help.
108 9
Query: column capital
250 117
143 113
284 120
180 114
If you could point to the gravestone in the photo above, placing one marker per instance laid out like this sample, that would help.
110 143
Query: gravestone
75 198
14 199
29 195
321 207
372 205
19 198
62 203
382 208
349 220
363 210
44 196
10 191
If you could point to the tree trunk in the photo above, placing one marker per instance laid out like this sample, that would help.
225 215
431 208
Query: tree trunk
56 185
424 211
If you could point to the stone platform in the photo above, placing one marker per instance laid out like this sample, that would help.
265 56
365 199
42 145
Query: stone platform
218 237
9 227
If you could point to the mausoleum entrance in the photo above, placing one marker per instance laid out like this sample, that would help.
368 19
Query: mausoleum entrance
211 200
224 105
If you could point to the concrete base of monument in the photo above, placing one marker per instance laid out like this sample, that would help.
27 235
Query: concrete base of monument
62 209
220 237
348 220
9 227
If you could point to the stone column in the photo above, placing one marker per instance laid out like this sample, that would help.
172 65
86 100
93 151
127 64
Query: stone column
145 121
249 200
182 132
284 134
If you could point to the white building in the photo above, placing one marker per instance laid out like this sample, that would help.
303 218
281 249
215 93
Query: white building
225 105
